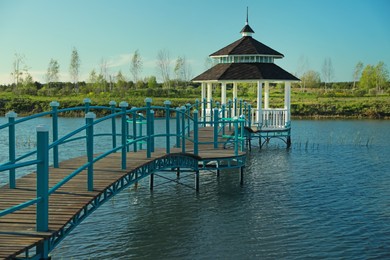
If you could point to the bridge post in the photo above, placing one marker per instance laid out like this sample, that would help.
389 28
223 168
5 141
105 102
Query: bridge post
134 116
90 116
152 130
188 108
112 104
183 131
215 123
123 105
235 107
249 115
167 103
236 136
223 109
230 113
197 104
196 137
204 106
54 106
178 127
87 102
148 102
42 210
11 115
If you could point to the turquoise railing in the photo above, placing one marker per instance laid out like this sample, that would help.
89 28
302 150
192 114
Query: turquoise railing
186 119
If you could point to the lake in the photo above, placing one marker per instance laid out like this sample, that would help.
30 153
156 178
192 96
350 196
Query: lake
327 197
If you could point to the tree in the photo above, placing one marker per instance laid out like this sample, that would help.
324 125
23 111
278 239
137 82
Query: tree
164 67
311 79
53 71
381 76
182 70
74 68
374 77
19 66
357 73
327 71
136 66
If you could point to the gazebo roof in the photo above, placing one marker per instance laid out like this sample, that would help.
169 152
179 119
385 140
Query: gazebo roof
247 46
245 71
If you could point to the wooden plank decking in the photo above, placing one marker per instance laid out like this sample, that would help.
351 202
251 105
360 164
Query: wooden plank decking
17 230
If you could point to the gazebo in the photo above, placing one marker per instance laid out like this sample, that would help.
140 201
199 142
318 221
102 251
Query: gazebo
250 61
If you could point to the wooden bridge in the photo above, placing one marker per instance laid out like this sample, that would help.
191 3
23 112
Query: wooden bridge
38 210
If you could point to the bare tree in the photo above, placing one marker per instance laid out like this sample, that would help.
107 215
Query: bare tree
74 68
164 66
136 66
303 65
182 70
327 71
53 71
357 73
19 66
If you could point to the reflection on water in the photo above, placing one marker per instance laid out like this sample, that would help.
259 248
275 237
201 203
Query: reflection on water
326 197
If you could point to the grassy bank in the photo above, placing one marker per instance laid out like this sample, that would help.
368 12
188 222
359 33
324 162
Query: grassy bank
310 103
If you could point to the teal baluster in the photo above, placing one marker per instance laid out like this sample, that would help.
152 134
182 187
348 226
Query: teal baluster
204 112
223 109
236 136
183 127
90 116
188 110
178 127
249 116
152 130
11 115
148 102
113 123
123 105
230 114
87 102
240 110
215 124
167 104
196 138
42 209
54 106
134 115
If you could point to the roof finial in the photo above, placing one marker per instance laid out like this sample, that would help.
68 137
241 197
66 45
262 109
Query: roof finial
246 15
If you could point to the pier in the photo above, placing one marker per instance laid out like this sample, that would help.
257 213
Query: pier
39 209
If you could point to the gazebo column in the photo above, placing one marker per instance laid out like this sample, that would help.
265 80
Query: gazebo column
223 93
234 98
203 97
259 115
266 95
209 94
287 100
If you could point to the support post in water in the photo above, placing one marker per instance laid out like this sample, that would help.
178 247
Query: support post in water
241 175
12 146
54 106
42 210
197 181
112 104
90 116
123 105
151 181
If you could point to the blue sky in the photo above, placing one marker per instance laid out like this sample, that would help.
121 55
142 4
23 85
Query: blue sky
305 31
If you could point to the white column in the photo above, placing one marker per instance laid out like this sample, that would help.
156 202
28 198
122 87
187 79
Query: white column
234 98
203 96
287 98
223 93
266 95
209 94
259 115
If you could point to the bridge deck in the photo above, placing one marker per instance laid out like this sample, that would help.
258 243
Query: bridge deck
17 230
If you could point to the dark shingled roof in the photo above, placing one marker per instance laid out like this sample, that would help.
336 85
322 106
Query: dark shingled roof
247 46
245 71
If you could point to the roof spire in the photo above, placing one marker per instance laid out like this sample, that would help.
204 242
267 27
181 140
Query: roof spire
247 30
246 16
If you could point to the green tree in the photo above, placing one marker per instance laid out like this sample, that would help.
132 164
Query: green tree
375 77
311 79
74 68
367 80
357 73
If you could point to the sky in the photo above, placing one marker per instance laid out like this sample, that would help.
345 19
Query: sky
306 31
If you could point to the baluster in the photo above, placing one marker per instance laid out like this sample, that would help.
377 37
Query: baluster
11 147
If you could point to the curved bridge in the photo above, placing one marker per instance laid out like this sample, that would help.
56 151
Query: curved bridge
38 210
